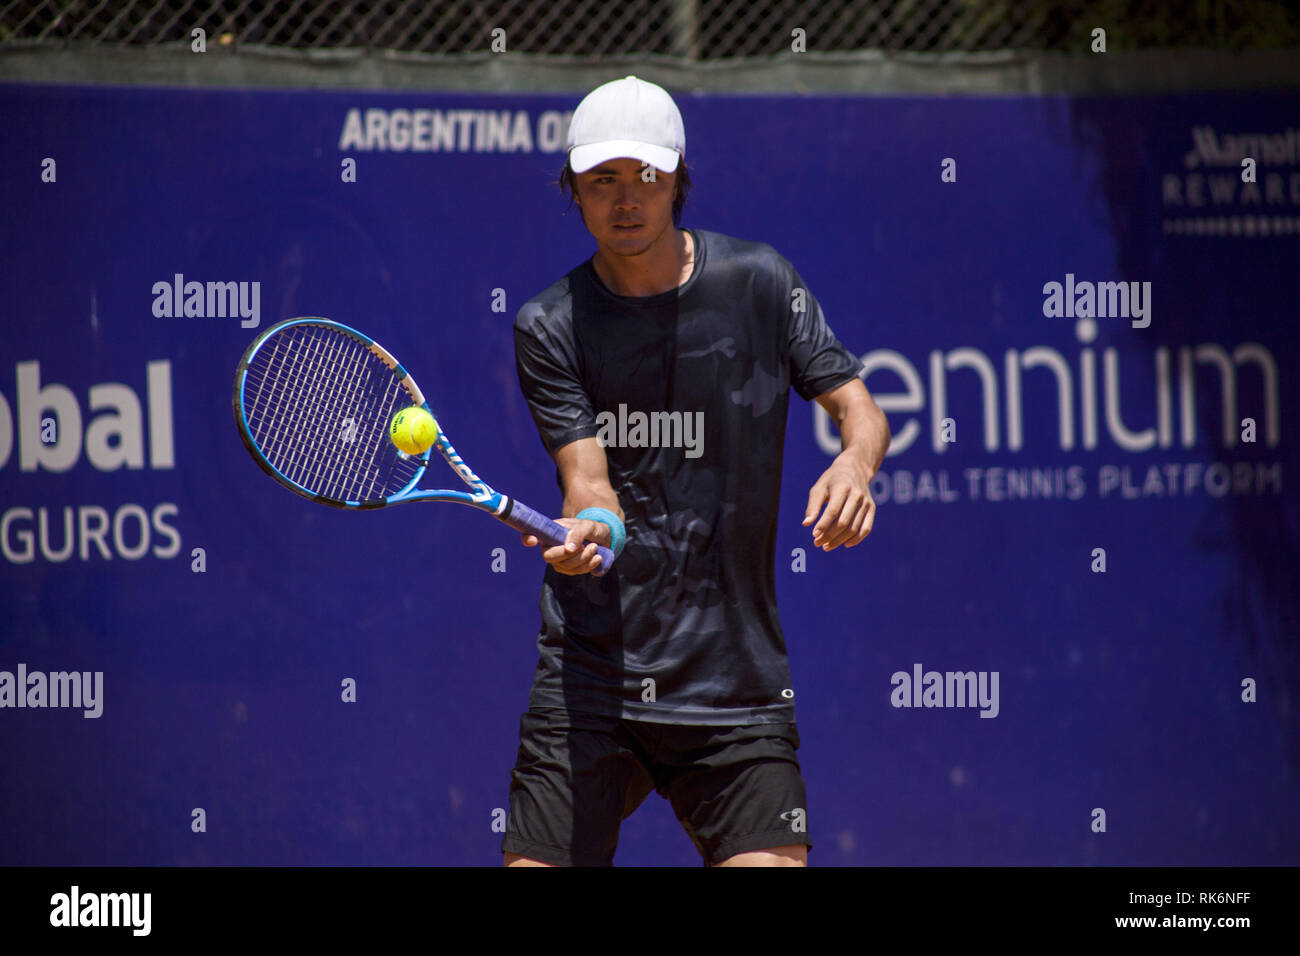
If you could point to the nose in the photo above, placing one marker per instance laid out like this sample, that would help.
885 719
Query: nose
626 196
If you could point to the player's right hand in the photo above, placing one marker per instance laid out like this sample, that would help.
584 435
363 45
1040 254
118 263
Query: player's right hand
573 557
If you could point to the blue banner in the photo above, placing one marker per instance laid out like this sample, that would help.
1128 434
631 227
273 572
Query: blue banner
1070 639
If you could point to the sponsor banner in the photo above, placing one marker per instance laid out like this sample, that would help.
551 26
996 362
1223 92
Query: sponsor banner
1076 614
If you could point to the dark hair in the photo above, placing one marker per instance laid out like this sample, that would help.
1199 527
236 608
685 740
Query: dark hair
568 183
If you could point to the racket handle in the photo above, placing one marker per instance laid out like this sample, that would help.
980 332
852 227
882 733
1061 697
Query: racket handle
527 521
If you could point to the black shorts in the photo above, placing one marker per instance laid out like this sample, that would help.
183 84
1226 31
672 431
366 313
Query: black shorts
577 777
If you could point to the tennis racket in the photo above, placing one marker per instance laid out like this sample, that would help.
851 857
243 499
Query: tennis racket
313 401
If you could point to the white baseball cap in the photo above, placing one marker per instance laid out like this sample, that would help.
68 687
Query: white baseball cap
626 118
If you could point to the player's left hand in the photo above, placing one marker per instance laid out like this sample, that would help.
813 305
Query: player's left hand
844 489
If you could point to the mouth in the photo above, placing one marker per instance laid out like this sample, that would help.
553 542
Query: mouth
628 226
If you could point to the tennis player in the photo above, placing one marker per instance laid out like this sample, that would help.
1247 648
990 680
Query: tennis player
658 374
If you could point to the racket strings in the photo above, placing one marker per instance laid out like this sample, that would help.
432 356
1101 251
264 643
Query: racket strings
318 404
331 457
326 463
289 446
280 428
343 457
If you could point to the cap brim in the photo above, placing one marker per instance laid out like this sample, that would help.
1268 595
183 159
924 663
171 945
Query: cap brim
583 158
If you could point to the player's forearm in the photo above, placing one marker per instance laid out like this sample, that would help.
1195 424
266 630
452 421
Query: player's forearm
584 476
864 432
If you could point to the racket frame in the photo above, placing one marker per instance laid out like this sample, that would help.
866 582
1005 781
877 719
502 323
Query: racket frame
483 496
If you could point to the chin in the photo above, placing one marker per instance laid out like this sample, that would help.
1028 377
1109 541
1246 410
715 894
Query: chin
633 245
627 246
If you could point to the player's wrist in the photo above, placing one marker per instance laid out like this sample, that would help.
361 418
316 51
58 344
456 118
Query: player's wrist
617 533
861 458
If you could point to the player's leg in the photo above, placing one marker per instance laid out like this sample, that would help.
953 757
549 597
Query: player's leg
737 791
795 855
575 779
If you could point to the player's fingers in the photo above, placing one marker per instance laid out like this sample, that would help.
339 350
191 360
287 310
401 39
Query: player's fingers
580 563
556 553
843 526
551 553
866 521
821 531
573 540
572 563
577 553
597 533
842 530
816 498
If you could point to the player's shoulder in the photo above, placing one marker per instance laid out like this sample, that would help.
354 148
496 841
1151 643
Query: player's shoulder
549 309
755 255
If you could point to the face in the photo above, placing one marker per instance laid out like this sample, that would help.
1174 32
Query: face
626 214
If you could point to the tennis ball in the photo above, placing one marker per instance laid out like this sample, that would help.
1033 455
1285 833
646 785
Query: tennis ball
413 430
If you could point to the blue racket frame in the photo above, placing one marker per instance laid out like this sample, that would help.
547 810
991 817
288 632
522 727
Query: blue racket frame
483 496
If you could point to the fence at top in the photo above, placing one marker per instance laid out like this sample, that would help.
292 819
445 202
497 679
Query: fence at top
697 30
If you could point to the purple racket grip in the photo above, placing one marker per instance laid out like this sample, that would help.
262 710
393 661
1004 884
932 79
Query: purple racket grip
524 519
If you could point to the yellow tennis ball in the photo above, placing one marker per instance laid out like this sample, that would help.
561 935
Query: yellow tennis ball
413 430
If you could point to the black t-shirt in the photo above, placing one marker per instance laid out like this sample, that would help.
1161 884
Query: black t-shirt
688 391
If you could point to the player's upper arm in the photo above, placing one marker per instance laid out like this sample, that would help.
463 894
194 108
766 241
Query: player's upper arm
841 400
818 361
548 367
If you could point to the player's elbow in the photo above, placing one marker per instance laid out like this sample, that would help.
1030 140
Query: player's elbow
882 423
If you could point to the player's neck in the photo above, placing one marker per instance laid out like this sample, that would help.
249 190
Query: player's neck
665 266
